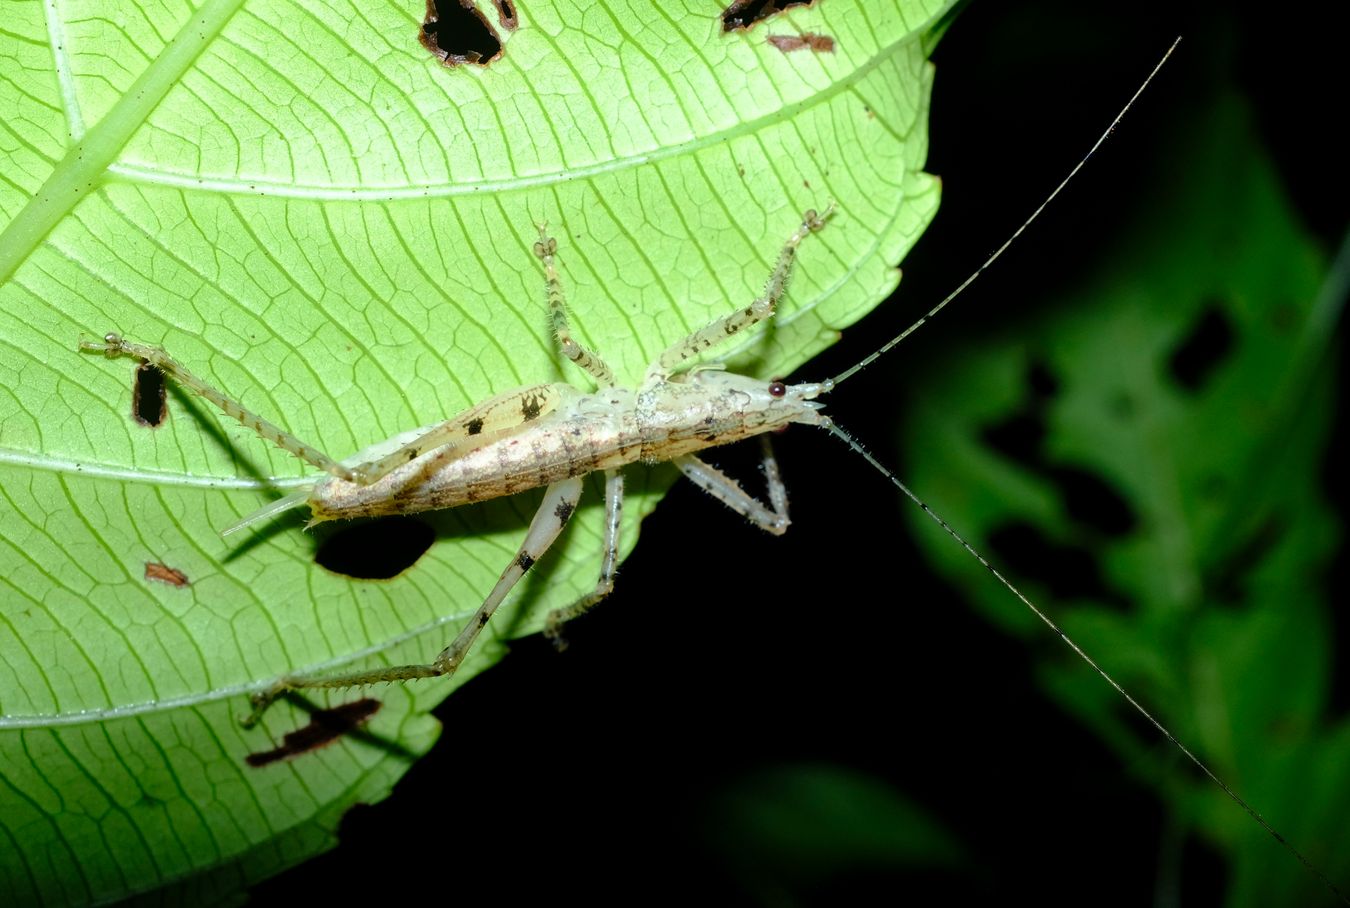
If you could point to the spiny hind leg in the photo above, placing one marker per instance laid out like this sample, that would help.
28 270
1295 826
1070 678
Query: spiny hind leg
608 563
772 518
546 249
736 322
115 345
560 500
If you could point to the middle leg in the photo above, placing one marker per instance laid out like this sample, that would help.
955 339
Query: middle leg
560 500
608 564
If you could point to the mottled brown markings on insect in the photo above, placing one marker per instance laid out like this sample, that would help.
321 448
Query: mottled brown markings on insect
456 32
531 405
325 726
149 396
564 511
474 426
742 14
821 44
162 573
525 561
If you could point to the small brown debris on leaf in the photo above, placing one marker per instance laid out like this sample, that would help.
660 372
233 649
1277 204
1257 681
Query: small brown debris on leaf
165 574
325 726
821 44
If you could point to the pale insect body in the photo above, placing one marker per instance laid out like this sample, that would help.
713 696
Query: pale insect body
548 435
551 435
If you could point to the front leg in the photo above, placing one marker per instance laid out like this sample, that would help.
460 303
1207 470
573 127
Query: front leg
772 518
762 307
560 500
115 345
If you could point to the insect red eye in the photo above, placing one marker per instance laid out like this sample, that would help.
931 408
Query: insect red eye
777 388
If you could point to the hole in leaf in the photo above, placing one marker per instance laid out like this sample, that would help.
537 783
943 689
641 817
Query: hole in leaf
1021 436
1090 500
149 396
821 44
1042 382
325 726
1208 344
741 14
457 33
1075 575
1018 438
506 15
375 549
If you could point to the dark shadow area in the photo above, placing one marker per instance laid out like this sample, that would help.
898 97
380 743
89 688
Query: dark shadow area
375 549
1091 501
1068 572
149 396
324 727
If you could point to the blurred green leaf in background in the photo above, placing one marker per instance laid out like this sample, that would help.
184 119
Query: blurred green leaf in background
309 210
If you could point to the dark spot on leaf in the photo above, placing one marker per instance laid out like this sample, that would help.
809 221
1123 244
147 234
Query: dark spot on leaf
1226 582
1043 383
1018 438
165 574
741 14
149 396
1091 501
1066 571
821 44
375 549
325 726
1204 348
457 33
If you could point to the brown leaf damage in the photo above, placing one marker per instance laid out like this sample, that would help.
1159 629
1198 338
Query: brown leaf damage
741 14
821 44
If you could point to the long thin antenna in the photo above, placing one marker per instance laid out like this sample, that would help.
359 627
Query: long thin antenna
848 373
1162 729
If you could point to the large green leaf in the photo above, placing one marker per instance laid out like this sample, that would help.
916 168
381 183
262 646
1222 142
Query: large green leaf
311 212
1148 455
